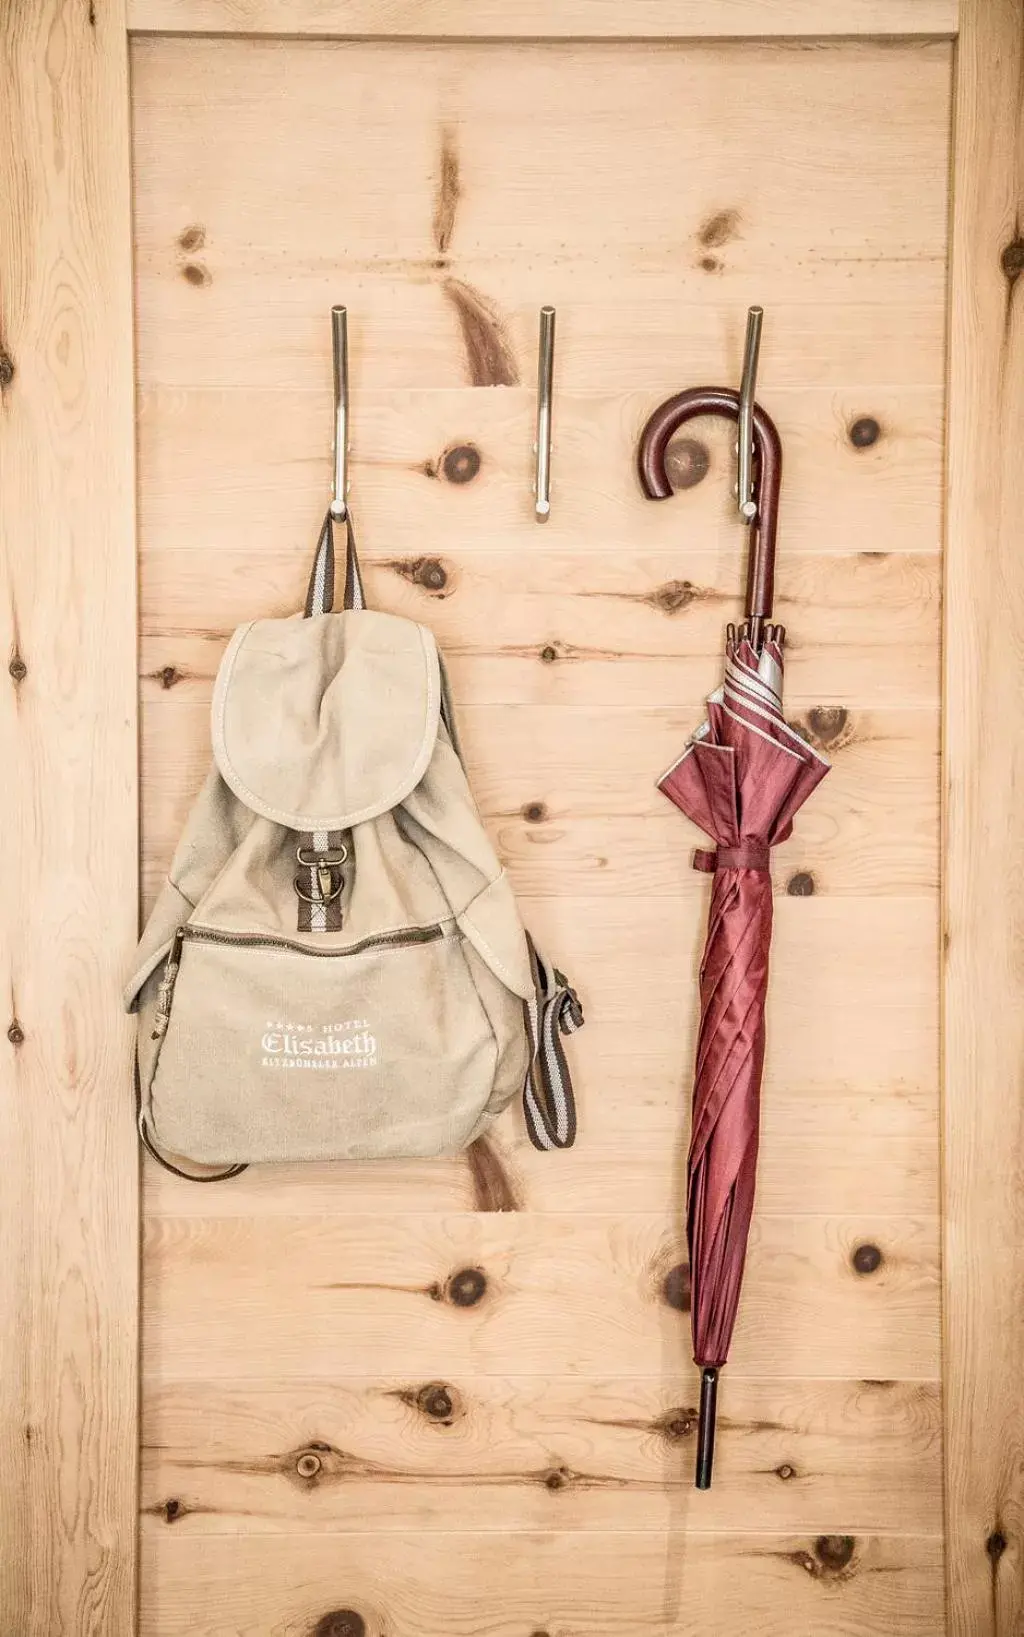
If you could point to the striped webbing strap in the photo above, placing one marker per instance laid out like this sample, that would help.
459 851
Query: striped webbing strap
548 1100
320 596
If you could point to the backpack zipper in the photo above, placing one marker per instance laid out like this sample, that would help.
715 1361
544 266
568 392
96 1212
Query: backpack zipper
258 940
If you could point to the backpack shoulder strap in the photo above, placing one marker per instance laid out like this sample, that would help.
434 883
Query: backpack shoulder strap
548 1099
320 595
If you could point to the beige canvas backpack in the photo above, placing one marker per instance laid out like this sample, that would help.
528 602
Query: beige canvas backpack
335 967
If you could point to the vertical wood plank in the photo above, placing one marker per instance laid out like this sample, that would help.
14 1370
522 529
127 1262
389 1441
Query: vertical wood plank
68 1204
984 889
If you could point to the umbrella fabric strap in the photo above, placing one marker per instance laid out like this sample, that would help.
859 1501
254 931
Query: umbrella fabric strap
749 855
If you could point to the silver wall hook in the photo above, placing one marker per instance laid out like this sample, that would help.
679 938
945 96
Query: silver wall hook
339 341
542 448
745 437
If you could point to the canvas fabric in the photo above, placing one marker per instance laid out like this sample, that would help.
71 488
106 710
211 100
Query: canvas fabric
336 967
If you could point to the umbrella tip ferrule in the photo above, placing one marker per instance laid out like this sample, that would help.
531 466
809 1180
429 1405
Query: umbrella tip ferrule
706 1426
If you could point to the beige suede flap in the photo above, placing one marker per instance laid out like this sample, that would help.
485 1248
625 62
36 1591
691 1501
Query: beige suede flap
319 724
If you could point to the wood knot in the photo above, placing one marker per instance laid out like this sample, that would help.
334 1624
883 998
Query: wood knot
461 463
195 273
675 1287
866 1259
687 461
18 668
996 1545
467 1287
15 1033
828 724
834 1552
676 1425
1012 260
427 572
548 654
785 1472
801 885
168 677
172 1510
718 228
535 812
674 596
192 237
556 1478
864 431
710 264
308 1464
340 1623
435 1400
7 370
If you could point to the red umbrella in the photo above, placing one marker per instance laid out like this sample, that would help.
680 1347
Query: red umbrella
742 777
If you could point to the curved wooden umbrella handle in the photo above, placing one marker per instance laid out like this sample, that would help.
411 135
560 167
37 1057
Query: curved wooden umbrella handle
653 446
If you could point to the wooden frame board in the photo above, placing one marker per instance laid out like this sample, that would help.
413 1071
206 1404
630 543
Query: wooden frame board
68 872
67 1324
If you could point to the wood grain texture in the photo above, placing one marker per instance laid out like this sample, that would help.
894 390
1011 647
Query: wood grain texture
522 1454
68 1206
599 19
984 1031
299 1313
651 1585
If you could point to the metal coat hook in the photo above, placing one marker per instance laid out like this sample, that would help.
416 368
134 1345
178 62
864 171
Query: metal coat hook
745 439
339 341
542 448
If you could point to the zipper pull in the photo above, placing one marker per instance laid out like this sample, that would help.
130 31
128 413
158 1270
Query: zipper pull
165 993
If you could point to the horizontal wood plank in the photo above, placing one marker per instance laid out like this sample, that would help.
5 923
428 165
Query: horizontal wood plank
840 1149
520 1455
445 232
570 800
449 471
305 1296
417 1585
528 19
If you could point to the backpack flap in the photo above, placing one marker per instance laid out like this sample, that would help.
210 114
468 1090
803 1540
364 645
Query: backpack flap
320 724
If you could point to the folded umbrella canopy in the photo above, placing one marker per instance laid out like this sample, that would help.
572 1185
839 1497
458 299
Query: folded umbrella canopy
741 779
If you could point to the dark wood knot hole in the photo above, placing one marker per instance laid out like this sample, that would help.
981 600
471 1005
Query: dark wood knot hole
864 431
308 1464
435 1400
340 1623
1012 259
834 1551
675 1287
687 461
467 1287
535 812
801 885
6 370
866 1259
996 1545
461 463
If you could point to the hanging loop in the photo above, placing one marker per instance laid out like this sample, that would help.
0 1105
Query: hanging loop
339 344
651 451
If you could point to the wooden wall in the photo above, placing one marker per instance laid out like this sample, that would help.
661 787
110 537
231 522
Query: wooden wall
334 1420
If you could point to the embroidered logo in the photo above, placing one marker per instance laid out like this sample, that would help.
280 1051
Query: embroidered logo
328 1046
